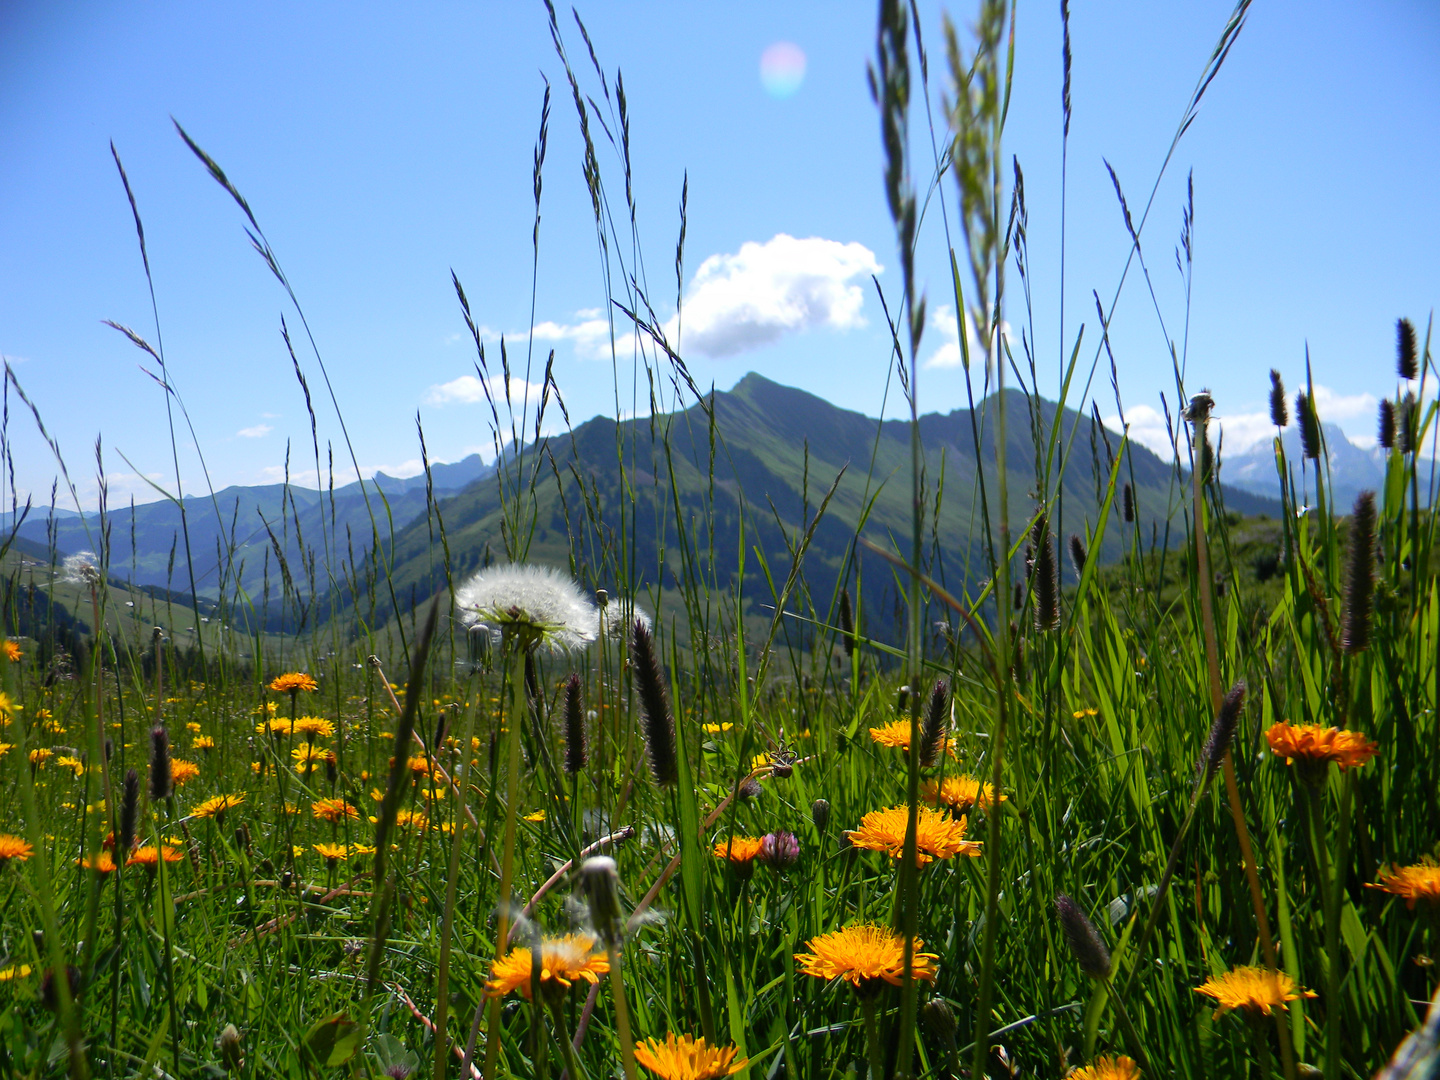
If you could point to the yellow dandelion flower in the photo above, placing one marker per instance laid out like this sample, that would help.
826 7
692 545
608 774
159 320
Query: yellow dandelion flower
1108 1068
865 955
308 756
1313 746
182 771
7 705
314 727
563 962
12 651
217 805
293 682
717 729
687 1058
17 971
280 725
959 793
332 853
64 761
1418 882
202 742
1080 714
1254 989
896 734
149 856
334 811
13 847
4 746
537 817
419 765
412 818
937 835
40 755
266 708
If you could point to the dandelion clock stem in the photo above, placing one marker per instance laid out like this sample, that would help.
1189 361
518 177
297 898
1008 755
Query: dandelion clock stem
516 676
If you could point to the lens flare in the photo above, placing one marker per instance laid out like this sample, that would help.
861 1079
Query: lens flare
782 69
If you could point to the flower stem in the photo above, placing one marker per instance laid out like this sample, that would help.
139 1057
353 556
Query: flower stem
573 1069
874 1053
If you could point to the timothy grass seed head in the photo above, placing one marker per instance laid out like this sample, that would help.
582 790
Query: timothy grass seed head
1359 576
655 718
1086 944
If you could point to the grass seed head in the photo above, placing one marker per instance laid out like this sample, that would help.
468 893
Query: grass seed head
576 751
1279 414
1046 577
129 809
1086 944
1359 576
1409 424
847 623
1309 422
1222 730
1127 503
655 718
1077 553
1387 423
1405 360
937 717
160 782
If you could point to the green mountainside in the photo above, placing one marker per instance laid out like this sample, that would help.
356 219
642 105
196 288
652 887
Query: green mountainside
771 455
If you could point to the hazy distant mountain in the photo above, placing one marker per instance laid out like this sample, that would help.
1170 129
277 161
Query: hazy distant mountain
229 539
1353 469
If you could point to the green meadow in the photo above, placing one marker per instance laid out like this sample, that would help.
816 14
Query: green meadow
749 736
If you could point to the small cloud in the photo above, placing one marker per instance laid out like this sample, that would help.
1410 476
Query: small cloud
943 322
1339 407
259 431
1147 427
591 334
765 291
469 390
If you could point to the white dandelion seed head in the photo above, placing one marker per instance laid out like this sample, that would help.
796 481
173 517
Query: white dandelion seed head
81 569
618 618
533 606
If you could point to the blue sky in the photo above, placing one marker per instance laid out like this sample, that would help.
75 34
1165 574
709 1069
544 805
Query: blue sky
382 146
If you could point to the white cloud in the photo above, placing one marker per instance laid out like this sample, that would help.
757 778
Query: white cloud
1241 431
765 291
943 322
1147 427
259 431
591 334
469 390
1336 408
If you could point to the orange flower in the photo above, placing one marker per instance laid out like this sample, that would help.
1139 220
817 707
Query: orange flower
1313 747
217 805
12 847
937 835
687 1058
1108 1068
203 742
896 734
332 853
563 962
1418 882
294 681
1254 989
182 771
334 811
959 793
149 856
12 651
865 956
101 863
738 849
